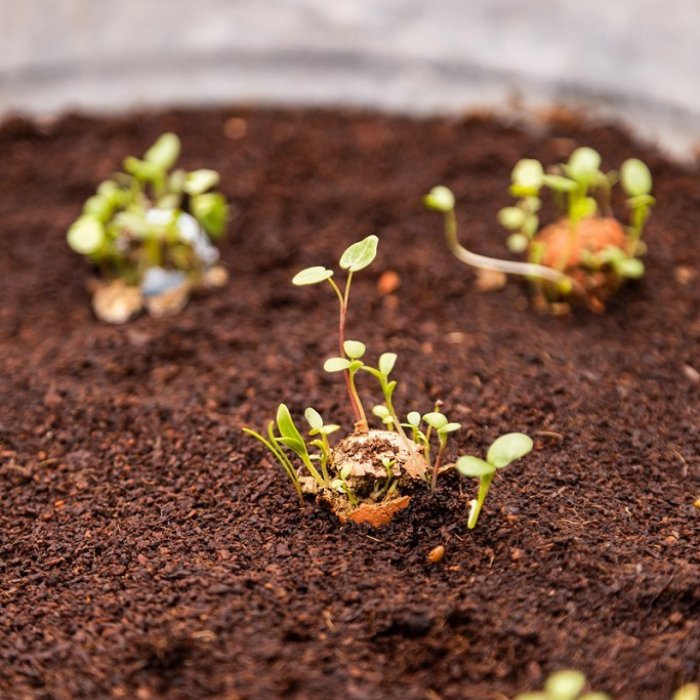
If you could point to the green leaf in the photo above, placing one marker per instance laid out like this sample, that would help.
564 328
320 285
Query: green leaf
584 208
640 200
336 364
449 428
635 177
689 691
440 198
288 430
313 418
99 207
164 152
508 448
511 217
528 175
559 183
583 165
435 420
328 429
532 223
354 349
199 181
359 255
211 210
141 169
565 685
299 446
86 235
413 418
517 242
386 363
380 411
631 268
473 466
312 275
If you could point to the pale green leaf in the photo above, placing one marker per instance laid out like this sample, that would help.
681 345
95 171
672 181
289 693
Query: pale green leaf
435 420
508 448
354 349
559 183
583 165
211 210
336 364
86 235
440 199
164 152
359 255
635 177
473 466
517 242
387 361
199 181
312 275
413 418
449 428
313 418
380 411
511 217
528 175
565 685
631 268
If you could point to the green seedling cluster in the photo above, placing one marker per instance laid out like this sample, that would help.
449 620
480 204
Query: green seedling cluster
564 685
152 216
424 436
581 191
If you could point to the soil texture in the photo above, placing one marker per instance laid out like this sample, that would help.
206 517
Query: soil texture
149 550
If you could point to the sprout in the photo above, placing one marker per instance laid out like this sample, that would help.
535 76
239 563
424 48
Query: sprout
564 685
504 451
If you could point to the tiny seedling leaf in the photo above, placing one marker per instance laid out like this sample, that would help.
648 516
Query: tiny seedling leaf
328 429
386 363
635 177
511 217
359 255
449 428
508 448
517 242
354 349
565 685
528 174
164 152
211 210
199 181
559 183
583 165
631 268
312 275
413 418
473 466
86 235
287 429
380 411
440 198
336 364
435 420
313 418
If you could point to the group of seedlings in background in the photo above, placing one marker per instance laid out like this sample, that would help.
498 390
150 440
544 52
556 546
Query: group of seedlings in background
149 232
586 252
572 685
370 474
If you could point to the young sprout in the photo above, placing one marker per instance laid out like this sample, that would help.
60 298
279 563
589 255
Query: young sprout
503 451
564 685
442 427
355 258
586 252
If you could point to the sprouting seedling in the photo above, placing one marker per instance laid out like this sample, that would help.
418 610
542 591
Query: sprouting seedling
441 199
564 685
152 215
289 437
355 258
442 427
503 451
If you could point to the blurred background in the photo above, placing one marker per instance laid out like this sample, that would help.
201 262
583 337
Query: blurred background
635 60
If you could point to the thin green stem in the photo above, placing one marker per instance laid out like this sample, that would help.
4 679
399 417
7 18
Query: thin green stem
484 485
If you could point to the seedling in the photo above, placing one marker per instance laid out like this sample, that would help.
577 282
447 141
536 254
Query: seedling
503 451
369 468
152 226
564 685
585 252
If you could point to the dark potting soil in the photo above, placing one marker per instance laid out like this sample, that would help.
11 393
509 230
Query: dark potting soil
148 549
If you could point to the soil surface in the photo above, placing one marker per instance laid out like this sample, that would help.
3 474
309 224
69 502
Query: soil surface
148 549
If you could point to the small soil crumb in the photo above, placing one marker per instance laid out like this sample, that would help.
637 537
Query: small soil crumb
436 554
388 282
490 280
